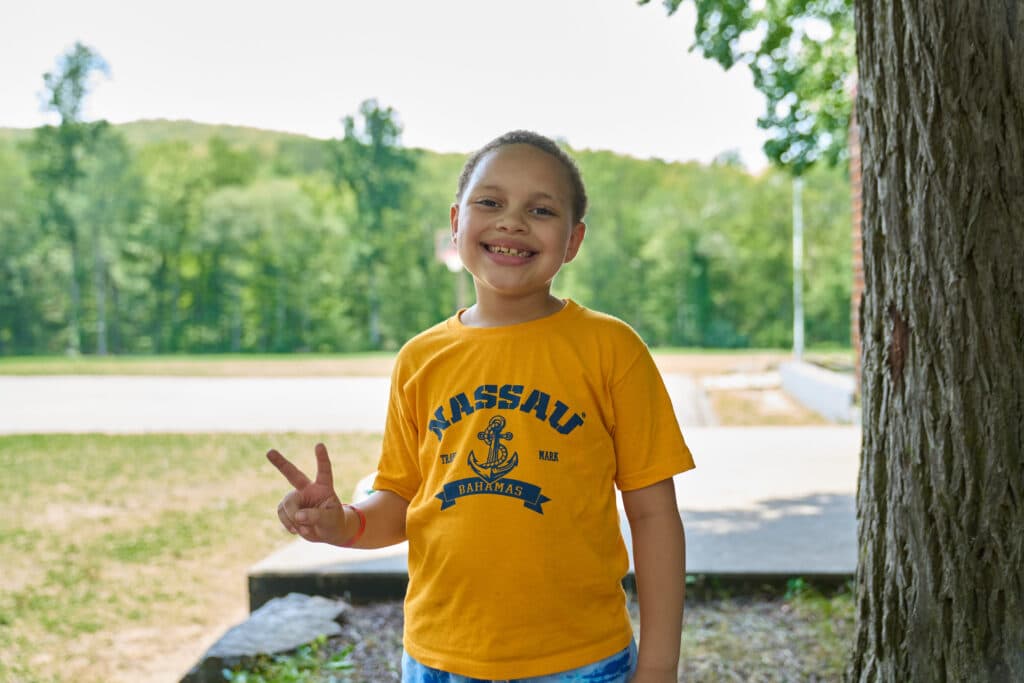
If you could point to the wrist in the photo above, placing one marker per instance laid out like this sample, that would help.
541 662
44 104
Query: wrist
353 536
655 674
654 662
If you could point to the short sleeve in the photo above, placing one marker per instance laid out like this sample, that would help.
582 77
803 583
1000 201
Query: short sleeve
398 470
649 446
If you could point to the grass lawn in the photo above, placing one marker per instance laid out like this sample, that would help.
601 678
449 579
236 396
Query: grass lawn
120 555
226 365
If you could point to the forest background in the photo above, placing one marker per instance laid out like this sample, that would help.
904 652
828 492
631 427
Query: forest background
179 237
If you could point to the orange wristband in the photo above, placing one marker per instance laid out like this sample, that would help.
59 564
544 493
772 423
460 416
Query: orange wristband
362 526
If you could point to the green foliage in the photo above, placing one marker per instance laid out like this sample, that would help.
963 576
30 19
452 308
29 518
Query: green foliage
228 165
796 587
67 86
309 662
210 247
801 56
25 285
698 256
165 237
387 252
58 156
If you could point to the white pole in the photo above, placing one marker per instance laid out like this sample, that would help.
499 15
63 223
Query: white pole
798 268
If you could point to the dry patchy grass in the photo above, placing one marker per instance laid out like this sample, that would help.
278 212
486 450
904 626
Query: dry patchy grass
760 407
123 557
718 362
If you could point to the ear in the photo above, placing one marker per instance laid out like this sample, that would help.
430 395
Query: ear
453 217
575 240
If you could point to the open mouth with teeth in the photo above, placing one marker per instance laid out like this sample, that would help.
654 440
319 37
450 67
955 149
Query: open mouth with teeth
508 251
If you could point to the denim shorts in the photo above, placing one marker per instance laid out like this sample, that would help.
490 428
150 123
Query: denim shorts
618 668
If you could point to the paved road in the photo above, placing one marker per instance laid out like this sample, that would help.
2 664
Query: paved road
125 405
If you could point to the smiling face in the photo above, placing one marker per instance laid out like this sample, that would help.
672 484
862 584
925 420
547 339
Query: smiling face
513 224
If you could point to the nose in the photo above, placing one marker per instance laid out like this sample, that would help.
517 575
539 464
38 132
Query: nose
513 220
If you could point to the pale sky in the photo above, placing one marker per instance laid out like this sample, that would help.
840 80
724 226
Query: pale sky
602 74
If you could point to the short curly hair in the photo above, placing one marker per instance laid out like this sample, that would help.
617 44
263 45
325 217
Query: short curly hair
544 144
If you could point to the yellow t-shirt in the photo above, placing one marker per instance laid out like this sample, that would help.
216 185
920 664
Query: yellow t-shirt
508 442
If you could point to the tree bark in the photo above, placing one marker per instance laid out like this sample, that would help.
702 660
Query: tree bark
99 283
940 581
74 347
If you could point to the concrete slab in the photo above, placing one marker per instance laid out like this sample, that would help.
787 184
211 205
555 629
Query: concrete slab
131 405
763 502
830 394
690 402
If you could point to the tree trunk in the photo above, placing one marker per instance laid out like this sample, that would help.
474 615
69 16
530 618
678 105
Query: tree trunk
374 306
160 305
75 312
940 581
236 323
116 345
278 345
100 286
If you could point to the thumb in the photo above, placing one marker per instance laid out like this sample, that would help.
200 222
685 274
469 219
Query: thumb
320 524
309 516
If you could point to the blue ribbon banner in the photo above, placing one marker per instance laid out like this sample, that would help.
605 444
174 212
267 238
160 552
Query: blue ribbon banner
513 488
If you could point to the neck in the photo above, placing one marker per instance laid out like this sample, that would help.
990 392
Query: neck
498 311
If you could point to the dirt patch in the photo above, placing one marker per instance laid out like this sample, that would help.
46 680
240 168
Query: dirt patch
62 516
158 662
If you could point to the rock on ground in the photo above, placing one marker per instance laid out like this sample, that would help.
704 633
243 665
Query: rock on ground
279 626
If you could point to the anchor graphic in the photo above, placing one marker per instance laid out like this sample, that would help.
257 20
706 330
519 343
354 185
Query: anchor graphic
498 462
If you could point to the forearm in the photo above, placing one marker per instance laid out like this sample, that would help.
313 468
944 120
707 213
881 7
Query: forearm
659 559
385 520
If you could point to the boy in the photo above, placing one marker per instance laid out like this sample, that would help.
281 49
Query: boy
508 427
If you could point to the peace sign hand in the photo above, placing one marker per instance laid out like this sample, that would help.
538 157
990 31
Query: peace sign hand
313 509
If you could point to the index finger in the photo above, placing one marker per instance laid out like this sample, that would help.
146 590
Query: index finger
292 473
324 474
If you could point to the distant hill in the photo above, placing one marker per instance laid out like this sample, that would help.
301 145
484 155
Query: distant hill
294 151
149 131
14 134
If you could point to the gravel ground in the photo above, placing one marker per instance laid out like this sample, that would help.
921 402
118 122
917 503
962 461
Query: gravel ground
375 631
762 639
